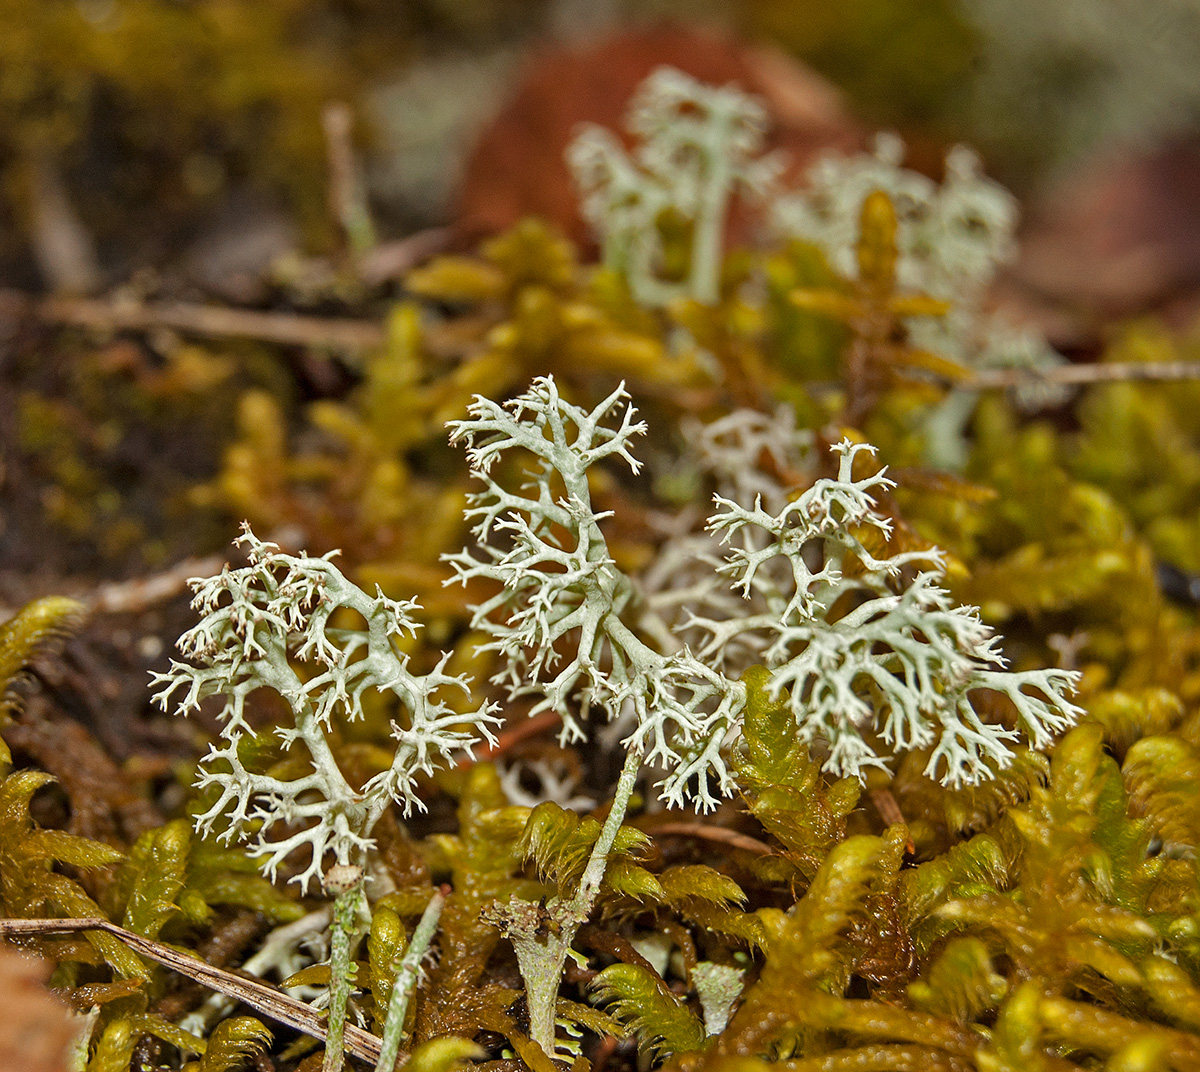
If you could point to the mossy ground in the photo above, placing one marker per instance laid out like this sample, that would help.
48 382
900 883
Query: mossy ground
1047 919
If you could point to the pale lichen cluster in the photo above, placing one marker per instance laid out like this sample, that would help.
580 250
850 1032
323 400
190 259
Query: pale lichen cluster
793 594
868 648
871 664
698 146
270 625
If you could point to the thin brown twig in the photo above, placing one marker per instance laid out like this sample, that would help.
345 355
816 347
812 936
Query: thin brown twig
260 996
713 833
886 804
1093 372
288 329
395 258
63 247
889 811
344 333
511 736
139 593
347 195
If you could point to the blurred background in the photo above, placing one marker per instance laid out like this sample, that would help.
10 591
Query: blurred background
293 159
203 140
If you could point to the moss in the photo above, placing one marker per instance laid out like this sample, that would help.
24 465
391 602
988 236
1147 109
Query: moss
1048 918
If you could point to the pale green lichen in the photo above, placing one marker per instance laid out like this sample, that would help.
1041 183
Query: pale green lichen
869 665
698 146
258 621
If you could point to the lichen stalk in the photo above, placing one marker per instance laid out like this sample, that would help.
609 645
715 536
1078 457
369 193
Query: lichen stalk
348 907
542 956
406 980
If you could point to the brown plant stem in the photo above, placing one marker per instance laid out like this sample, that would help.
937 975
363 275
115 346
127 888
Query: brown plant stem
287 329
261 997
706 832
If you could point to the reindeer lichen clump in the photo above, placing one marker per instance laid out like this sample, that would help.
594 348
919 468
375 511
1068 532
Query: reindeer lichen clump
257 621
859 653
868 665
699 145
262 621
561 586
795 609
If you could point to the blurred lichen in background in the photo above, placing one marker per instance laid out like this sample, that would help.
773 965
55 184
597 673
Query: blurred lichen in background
107 105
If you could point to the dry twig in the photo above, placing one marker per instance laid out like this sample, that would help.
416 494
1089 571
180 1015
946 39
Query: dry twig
140 593
713 833
347 192
1093 372
260 996
514 734
345 334
287 329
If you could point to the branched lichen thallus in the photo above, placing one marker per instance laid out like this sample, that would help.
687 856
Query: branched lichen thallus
898 672
268 625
